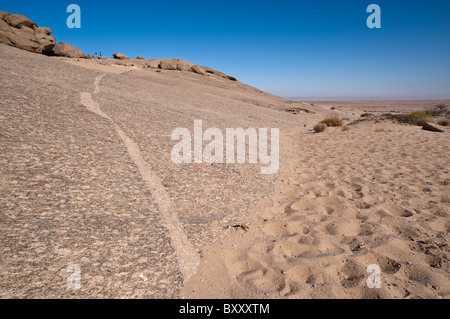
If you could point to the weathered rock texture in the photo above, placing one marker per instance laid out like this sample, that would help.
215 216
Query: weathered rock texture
183 65
18 31
120 56
68 50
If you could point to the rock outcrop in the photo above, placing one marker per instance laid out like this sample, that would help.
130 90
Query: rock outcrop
198 69
183 65
168 64
120 56
67 50
219 74
18 31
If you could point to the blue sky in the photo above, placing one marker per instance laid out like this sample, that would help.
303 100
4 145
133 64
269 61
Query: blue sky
310 49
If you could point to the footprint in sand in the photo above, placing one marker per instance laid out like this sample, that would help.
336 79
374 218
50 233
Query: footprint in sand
282 229
253 274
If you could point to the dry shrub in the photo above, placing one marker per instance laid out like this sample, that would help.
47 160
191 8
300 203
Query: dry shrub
320 127
419 118
444 122
332 121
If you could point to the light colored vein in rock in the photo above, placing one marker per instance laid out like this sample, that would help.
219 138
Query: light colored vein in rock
188 257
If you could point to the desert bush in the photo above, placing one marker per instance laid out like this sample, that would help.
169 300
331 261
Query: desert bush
438 110
418 118
346 128
444 122
422 121
332 121
320 127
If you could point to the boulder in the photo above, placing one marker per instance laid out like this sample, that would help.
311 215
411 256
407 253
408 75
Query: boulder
153 63
184 65
198 69
167 64
431 128
18 31
27 29
47 43
219 74
18 38
120 56
67 50
17 20
212 71
42 30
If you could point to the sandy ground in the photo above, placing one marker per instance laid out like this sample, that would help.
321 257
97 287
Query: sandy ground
376 194
86 178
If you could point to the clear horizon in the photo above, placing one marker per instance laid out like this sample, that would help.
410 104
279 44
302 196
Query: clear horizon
318 50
